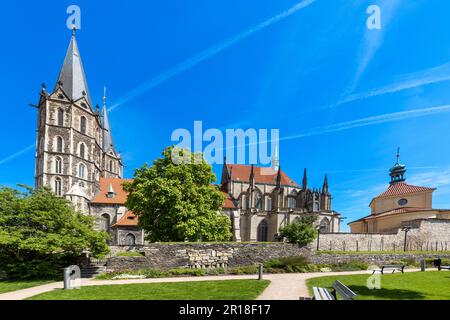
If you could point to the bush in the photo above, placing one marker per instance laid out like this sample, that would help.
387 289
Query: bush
217 271
244 270
188 272
40 234
301 232
288 264
153 273
349 266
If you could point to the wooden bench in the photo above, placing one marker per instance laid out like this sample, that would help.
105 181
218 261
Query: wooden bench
338 288
438 264
390 267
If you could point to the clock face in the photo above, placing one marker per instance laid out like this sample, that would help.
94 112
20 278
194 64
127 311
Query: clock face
402 202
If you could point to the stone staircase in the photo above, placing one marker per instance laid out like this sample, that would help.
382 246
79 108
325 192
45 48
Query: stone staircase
93 269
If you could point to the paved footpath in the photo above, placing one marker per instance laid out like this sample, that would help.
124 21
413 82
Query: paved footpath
285 286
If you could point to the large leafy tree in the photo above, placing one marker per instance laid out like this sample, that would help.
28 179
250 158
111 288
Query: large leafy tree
40 233
302 231
176 201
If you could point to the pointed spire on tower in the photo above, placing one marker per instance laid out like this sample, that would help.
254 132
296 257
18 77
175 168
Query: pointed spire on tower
325 184
108 143
305 180
397 172
72 78
252 177
279 178
276 159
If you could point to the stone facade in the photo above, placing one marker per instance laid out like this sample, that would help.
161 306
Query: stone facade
261 200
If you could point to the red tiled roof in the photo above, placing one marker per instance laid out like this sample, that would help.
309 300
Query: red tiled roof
263 175
129 219
120 196
401 188
229 204
397 211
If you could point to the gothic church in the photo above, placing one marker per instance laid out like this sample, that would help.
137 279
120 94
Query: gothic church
77 159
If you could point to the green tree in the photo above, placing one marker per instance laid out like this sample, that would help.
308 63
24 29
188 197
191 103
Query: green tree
40 233
176 201
301 232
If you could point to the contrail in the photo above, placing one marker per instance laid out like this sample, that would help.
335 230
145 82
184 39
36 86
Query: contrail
429 76
191 62
202 56
367 170
15 155
373 39
389 117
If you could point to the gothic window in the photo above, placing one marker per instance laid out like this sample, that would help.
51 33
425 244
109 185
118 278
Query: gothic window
316 206
324 225
268 203
81 170
82 151
59 144
262 231
83 125
58 165
258 201
60 117
130 240
105 222
58 186
110 165
292 203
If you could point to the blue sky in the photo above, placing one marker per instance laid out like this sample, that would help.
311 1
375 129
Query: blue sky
344 97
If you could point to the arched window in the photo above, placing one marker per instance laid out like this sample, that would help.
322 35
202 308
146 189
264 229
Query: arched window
262 231
83 124
82 150
105 222
81 170
324 225
110 165
58 186
58 165
268 203
59 144
292 203
60 117
130 240
258 201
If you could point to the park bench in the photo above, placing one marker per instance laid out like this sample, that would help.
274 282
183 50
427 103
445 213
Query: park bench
338 288
390 267
438 264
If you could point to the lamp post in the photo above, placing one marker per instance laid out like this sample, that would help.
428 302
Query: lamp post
405 229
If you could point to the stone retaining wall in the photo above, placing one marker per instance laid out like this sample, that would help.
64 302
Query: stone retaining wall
202 255
425 235
375 259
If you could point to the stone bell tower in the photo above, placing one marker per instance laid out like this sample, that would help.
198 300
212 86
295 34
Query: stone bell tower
69 149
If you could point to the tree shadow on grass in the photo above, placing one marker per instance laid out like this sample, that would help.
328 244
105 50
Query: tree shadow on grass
389 294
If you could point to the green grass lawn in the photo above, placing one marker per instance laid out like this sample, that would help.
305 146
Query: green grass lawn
8 286
201 290
430 285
